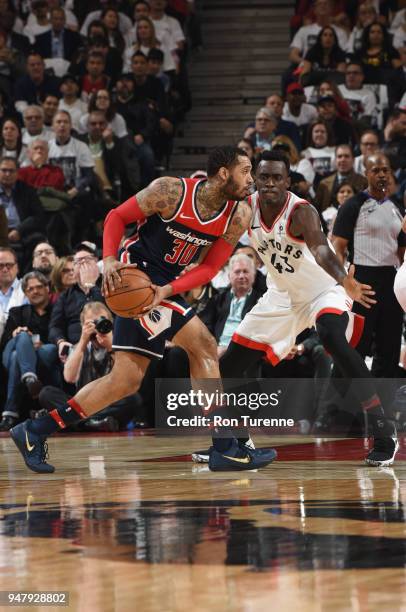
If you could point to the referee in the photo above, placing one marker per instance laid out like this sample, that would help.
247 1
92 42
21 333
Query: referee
369 226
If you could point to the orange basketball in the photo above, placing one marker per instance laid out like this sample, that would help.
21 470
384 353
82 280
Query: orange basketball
133 295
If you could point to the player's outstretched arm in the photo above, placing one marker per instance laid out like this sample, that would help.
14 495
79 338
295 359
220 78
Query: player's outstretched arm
306 223
216 257
161 196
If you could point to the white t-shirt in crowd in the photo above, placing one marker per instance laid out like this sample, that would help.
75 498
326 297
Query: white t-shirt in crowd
76 111
71 20
322 160
355 40
359 166
399 38
168 27
305 168
307 114
118 125
33 30
306 36
398 20
169 62
362 102
70 157
46 134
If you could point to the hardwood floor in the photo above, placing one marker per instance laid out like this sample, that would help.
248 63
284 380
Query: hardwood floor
127 522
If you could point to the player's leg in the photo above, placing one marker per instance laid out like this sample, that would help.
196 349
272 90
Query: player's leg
201 347
332 332
124 379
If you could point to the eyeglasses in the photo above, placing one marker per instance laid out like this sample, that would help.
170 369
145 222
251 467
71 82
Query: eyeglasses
7 266
77 262
67 270
44 252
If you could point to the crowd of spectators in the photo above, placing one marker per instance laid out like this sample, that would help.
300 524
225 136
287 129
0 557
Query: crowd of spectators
90 104
91 94
91 97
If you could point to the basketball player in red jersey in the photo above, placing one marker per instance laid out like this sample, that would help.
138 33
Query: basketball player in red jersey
179 222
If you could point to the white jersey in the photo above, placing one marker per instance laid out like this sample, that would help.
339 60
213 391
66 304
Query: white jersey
290 264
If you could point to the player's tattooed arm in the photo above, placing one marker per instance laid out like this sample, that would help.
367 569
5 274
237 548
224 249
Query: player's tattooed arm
306 223
161 196
239 223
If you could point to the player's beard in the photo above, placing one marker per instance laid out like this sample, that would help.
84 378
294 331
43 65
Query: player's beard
232 191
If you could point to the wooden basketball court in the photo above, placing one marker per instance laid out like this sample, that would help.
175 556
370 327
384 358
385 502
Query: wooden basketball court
129 523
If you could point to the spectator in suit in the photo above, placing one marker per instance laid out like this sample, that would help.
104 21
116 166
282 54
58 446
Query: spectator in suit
58 42
344 162
28 356
32 86
25 214
226 310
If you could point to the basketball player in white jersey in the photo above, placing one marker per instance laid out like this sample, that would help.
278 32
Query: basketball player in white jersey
309 288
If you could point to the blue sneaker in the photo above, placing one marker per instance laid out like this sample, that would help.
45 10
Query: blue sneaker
33 448
203 456
237 458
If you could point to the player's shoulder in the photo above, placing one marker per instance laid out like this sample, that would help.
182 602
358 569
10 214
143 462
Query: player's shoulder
168 187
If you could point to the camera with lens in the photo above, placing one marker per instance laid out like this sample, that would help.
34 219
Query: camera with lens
103 325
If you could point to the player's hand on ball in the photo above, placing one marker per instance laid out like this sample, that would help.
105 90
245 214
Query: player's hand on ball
161 293
111 274
357 291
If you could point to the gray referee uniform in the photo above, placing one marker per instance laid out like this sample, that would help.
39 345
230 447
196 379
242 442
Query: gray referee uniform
374 234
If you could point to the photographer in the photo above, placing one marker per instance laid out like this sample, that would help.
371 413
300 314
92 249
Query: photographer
90 359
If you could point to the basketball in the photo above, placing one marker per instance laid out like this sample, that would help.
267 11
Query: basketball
133 295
